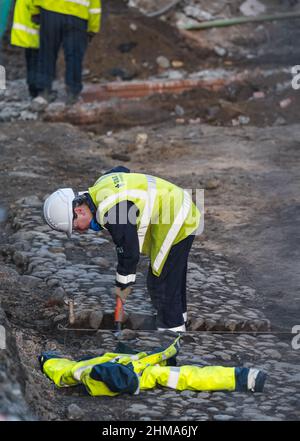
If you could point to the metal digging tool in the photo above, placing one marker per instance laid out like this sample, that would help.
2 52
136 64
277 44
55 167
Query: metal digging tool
119 316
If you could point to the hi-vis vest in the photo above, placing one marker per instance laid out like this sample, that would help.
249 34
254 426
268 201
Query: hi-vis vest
89 10
24 32
166 213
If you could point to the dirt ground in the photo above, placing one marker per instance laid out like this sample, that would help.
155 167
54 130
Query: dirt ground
240 144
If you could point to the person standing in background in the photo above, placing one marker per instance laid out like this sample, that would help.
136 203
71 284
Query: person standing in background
70 24
25 33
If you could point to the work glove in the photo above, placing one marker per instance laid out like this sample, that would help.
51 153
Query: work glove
123 293
36 19
91 35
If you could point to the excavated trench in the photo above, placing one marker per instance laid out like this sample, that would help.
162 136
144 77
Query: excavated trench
145 322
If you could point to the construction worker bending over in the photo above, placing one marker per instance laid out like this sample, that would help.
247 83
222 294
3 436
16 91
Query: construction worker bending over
70 24
144 214
25 33
113 374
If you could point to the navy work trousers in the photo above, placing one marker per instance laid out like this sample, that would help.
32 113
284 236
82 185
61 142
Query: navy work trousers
32 58
69 32
168 291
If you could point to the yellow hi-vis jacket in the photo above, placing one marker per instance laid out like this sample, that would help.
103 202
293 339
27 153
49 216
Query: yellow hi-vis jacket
89 10
24 32
166 213
112 374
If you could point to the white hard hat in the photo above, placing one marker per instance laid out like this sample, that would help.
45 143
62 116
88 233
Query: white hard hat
58 210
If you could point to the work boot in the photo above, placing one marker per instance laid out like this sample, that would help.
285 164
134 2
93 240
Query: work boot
33 91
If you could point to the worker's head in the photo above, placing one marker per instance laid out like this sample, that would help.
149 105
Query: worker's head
64 211
82 215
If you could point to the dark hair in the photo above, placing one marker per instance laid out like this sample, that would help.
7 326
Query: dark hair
86 199
77 202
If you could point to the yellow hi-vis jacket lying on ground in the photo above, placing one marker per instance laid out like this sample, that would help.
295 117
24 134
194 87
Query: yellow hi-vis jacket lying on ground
24 32
113 374
89 10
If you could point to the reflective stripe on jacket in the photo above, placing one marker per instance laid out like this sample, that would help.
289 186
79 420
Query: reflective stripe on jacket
167 214
24 32
89 10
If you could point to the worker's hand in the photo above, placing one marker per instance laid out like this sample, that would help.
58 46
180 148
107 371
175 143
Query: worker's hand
91 35
36 19
123 293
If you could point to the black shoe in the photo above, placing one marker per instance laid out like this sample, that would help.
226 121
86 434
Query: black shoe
33 92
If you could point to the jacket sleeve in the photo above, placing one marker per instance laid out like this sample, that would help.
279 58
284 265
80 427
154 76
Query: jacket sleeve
95 14
121 223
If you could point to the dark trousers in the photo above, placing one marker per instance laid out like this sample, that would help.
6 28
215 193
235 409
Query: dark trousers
168 291
69 32
32 59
